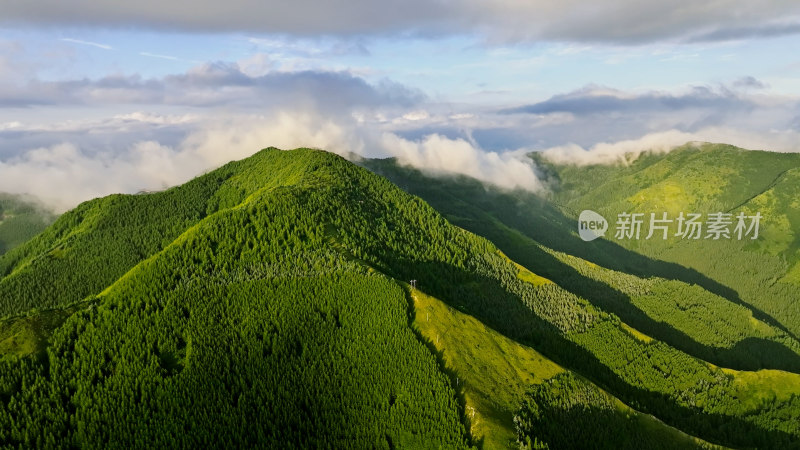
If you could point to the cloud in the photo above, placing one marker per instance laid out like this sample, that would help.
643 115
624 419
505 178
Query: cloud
89 43
749 82
215 84
160 56
596 114
618 21
236 112
308 48
626 151
778 28
64 174
436 154
71 161
15 65
599 100
622 152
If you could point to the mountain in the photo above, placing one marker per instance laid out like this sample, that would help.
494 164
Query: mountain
762 273
729 304
270 303
20 220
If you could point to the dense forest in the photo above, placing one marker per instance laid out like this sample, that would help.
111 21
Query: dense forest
656 301
595 420
266 304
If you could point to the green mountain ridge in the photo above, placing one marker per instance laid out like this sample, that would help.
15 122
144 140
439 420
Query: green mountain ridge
540 234
708 179
265 304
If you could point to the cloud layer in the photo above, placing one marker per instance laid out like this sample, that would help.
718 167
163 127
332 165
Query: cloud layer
227 112
218 84
619 21
64 174
739 113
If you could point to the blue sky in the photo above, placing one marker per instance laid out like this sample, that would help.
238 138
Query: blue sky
449 68
106 97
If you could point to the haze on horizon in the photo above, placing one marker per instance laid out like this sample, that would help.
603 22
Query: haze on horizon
103 97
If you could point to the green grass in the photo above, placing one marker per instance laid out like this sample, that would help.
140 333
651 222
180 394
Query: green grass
495 372
526 275
763 387
29 334
701 315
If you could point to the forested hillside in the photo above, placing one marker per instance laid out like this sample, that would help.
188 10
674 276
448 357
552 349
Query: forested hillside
267 304
251 328
20 220
705 179
658 301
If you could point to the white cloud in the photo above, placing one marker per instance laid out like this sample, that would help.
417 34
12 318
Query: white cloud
622 152
72 170
215 84
416 115
440 155
68 161
89 43
64 174
626 151
160 56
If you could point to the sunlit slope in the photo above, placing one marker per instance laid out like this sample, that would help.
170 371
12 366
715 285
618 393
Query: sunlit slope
640 370
494 373
89 247
690 178
705 179
668 301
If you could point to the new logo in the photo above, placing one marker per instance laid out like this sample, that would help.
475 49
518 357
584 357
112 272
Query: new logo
591 225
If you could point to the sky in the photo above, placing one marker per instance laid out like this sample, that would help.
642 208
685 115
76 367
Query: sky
101 97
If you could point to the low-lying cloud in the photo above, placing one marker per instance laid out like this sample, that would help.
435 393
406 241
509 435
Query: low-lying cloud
621 152
66 173
437 154
627 151
63 175
226 113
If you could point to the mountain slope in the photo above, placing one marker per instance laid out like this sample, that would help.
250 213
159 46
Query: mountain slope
92 245
248 329
275 281
705 179
494 373
20 220
519 223
674 304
